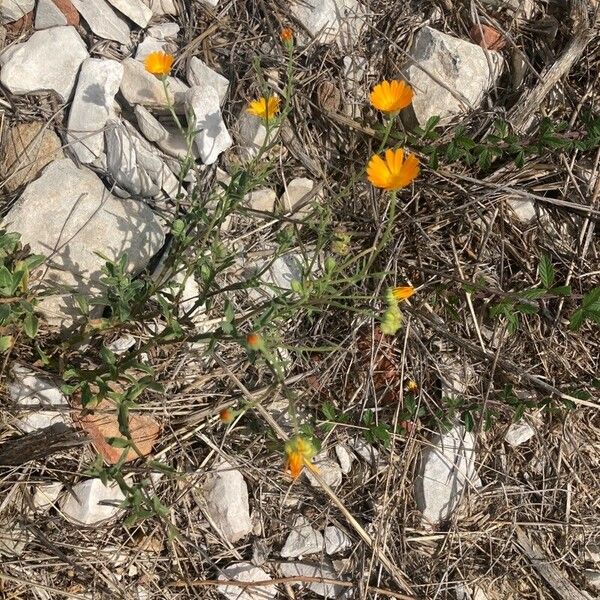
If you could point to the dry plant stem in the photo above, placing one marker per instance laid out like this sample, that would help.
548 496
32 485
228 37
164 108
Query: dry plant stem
393 570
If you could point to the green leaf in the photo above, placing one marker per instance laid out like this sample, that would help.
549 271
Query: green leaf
577 319
561 290
591 298
117 442
5 278
6 342
30 325
532 294
546 271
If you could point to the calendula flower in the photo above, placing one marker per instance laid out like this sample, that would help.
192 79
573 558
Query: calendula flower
392 318
412 386
391 96
395 171
254 341
402 293
265 108
227 415
159 63
287 35
298 450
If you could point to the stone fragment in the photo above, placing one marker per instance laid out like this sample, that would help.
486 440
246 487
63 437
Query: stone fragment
48 15
302 540
14 539
200 74
592 578
449 76
446 471
93 106
164 31
161 7
323 570
103 20
75 218
90 502
28 148
251 135
336 540
226 495
150 45
102 423
212 138
245 571
297 196
329 470
13 10
262 199
27 70
37 398
133 163
135 10
70 12
344 457
46 495
140 87
367 452
519 433
122 344
523 209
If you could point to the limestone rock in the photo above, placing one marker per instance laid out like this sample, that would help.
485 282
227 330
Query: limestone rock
161 7
446 471
140 87
344 457
136 10
367 452
212 138
133 163
122 344
302 540
329 470
93 106
245 571
251 135
66 8
28 148
150 45
226 495
460 65
262 199
297 196
103 20
519 433
324 570
27 70
46 495
37 398
75 218
592 578
523 209
90 502
200 74
48 15
164 31
13 10
336 540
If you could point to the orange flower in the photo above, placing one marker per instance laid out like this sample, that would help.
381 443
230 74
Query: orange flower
295 464
286 35
402 293
394 172
159 64
299 451
254 341
265 108
227 416
391 96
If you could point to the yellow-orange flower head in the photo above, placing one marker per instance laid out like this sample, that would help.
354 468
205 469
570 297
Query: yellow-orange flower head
395 171
287 35
402 293
265 108
299 451
159 63
391 96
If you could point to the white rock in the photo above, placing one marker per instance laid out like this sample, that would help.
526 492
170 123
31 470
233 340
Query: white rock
326 19
456 376
90 502
262 199
122 344
27 69
133 163
14 539
519 433
75 218
446 470
164 31
336 540
460 65
103 20
324 570
296 195
136 10
329 470
592 553
523 209
161 7
367 452
93 106
246 572
43 403
210 2
251 135
13 10
226 495
284 270
150 45
302 540
140 87
48 15
46 495
593 578
200 74
344 457
212 138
